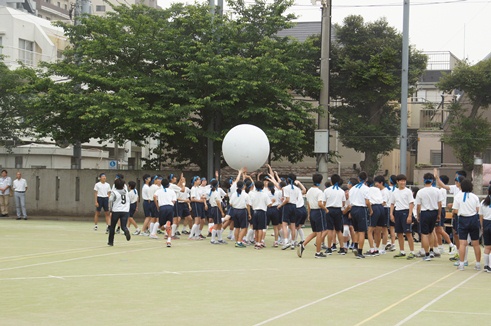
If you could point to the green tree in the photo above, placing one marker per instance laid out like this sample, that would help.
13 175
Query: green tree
12 101
365 81
166 74
469 130
468 136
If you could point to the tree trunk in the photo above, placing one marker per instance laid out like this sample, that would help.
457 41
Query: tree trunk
370 165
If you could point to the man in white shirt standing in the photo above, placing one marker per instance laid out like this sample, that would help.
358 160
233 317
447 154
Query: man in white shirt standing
5 184
102 189
20 188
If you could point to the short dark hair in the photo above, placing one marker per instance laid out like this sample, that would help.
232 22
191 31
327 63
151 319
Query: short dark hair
4 171
393 179
428 178
466 185
119 184
369 182
259 185
335 178
462 173
379 179
146 176
362 175
353 181
132 184
401 177
444 178
165 183
317 178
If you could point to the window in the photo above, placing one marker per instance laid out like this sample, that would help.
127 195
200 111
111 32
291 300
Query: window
26 52
100 8
18 162
436 157
66 6
59 4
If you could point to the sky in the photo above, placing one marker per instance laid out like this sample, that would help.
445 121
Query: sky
459 26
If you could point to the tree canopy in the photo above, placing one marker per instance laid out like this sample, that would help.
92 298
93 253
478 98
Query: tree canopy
365 81
142 73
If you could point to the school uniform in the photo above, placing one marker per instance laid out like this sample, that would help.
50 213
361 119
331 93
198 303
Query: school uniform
214 211
288 210
454 190
260 202
401 199
198 208
467 204
334 198
318 221
147 201
133 195
485 211
239 214
120 207
273 213
376 199
300 210
386 196
166 199
182 203
102 195
430 199
358 195
151 192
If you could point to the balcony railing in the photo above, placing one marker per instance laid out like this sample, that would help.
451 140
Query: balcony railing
432 119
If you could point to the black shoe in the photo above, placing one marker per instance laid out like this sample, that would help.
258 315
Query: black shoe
18 218
110 244
127 234
334 248
25 219
359 256
209 235
178 233
300 249
329 251
118 230
487 269
107 230
320 255
342 251
5 215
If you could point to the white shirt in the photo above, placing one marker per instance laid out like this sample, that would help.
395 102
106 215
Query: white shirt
204 192
454 190
290 193
444 195
146 192
401 199
334 197
133 195
469 207
182 196
239 202
386 193
428 198
164 197
314 195
153 189
358 195
485 211
4 182
120 201
102 189
300 202
375 196
215 195
260 201
195 194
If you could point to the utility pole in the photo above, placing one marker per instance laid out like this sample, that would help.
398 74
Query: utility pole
81 7
322 133
404 88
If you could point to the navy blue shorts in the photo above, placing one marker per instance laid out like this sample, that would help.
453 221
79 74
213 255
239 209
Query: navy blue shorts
469 225
183 210
334 219
198 209
455 223
259 220
230 211
346 219
441 222
147 207
401 225
300 216
359 218
132 209
288 213
318 220
166 214
214 213
273 215
486 232
378 217
103 203
427 221
239 216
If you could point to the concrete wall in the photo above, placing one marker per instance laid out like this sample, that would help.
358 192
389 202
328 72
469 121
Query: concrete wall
67 193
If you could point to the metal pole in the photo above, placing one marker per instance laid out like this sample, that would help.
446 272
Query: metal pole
323 123
404 88
441 127
210 148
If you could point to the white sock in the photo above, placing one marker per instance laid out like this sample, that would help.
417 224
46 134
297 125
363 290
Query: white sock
174 227
219 233
466 252
213 235
150 228
486 259
250 235
210 226
155 228
301 234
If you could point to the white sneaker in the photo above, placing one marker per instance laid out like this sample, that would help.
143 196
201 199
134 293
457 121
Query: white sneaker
95 228
153 236
137 232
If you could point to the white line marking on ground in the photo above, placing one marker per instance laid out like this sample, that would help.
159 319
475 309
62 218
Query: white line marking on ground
417 312
459 312
332 295
64 277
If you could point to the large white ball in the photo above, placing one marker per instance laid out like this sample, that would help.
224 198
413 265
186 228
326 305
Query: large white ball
245 146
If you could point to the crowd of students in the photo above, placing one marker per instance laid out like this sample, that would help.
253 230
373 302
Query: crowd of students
379 209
